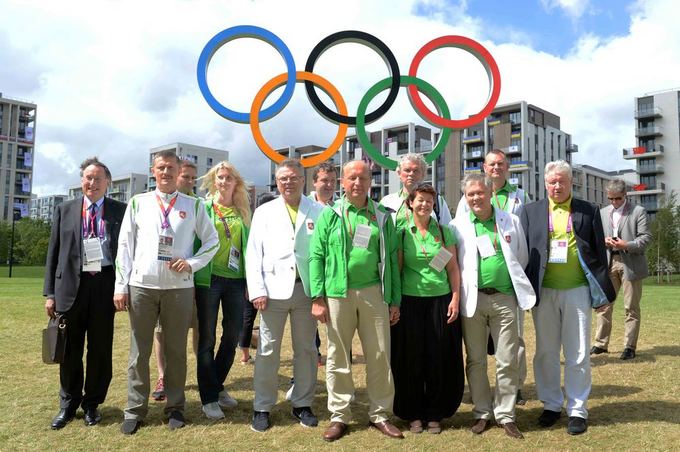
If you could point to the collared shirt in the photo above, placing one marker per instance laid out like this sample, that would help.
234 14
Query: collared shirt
403 213
493 270
104 238
292 212
569 275
500 197
617 214
220 263
313 196
418 278
363 263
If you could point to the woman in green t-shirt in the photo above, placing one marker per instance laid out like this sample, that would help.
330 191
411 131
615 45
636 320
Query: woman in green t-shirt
222 282
427 357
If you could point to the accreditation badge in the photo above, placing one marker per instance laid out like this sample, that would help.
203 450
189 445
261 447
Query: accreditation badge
165 247
234 259
558 251
485 247
362 236
441 259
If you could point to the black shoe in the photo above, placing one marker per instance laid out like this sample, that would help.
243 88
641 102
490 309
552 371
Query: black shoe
92 416
628 353
305 416
260 421
577 425
548 418
597 350
130 426
520 399
176 420
64 417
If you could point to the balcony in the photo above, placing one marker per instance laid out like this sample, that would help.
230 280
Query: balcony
649 131
493 122
473 139
516 135
650 169
512 150
474 155
652 112
572 148
644 189
519 165
472 169
642 152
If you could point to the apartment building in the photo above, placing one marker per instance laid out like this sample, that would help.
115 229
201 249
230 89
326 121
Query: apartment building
17 151
657 148
122 187
42 207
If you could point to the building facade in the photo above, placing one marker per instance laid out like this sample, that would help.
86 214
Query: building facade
657 148
42 207
122 187
17 151
203 157
530 137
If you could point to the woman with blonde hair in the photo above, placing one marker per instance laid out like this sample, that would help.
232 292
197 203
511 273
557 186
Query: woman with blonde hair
222 282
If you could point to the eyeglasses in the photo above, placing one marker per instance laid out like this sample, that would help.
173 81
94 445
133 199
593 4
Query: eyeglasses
615 198
285 180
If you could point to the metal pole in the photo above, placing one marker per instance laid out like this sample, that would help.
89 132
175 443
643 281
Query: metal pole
11 245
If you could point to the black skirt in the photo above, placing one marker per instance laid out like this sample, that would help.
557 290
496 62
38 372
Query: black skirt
427 360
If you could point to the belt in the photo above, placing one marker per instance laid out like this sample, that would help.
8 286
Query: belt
489 291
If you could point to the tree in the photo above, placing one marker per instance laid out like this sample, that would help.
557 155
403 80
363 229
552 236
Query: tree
663 253
31 240
5 237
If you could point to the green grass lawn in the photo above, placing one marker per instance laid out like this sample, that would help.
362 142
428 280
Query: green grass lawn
634 405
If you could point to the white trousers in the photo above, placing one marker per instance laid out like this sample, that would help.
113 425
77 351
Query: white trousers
562 320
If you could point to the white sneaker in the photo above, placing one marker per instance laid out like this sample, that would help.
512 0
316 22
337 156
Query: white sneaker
212 411
226 401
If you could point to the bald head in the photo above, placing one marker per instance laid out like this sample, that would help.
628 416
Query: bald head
356 181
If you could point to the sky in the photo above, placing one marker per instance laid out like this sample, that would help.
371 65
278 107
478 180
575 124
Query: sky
117 78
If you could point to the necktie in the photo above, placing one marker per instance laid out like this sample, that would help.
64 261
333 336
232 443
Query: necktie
93 219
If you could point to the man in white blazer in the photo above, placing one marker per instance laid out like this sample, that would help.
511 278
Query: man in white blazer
277 272
492 253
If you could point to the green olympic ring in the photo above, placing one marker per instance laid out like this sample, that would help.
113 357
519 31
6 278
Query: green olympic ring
404 81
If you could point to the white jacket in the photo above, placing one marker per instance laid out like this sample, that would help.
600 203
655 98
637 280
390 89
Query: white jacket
394 202
514 246
137 261
275 249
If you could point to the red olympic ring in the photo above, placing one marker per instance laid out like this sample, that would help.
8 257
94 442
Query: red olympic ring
484 57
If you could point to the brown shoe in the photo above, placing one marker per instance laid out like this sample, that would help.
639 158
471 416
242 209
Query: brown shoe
512 431
335 430
479 426
387 429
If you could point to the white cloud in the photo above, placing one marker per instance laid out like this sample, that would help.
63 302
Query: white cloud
574 9
117 78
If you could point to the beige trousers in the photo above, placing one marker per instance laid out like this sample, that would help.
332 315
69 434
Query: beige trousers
364 311
497 314
632 293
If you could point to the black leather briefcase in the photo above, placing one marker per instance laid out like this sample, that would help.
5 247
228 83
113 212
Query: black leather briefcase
54 340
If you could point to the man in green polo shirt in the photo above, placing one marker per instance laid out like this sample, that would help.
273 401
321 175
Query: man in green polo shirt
355 285
492 253
510 199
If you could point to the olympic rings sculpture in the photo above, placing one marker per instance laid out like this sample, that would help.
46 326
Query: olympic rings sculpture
291 77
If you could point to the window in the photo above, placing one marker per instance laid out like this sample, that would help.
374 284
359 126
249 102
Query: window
516 117
209 162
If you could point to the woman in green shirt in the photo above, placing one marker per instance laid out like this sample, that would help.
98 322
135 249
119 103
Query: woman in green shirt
222 282
427 357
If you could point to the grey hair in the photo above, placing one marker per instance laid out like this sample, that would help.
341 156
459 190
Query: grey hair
476 178
413 158
616 186
292 164
558 166
94 161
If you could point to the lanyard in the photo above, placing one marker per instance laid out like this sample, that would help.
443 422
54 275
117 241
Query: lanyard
551 228
498 203
89 221
166 212
227 231
421 240
349 223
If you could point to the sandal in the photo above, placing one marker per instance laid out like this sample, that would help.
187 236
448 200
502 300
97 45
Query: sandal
416 426
434 427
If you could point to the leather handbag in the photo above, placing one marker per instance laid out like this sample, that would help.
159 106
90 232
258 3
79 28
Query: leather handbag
54 340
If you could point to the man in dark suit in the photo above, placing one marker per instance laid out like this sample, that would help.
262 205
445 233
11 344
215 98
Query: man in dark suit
569 273
79 282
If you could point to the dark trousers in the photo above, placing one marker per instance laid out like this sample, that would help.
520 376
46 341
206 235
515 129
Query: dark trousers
427 360
249 314
91 315
213 368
